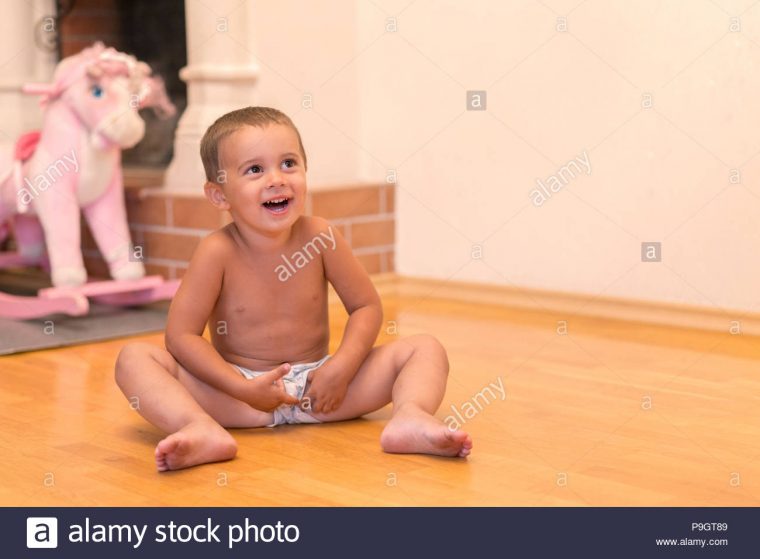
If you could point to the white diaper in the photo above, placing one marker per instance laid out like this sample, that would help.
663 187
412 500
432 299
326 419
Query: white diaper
296 383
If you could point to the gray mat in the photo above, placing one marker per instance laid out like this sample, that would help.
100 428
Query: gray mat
102 323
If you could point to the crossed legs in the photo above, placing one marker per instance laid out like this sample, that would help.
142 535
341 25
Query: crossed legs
410 372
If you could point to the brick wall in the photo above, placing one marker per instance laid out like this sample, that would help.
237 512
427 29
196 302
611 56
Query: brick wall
168 227
90 21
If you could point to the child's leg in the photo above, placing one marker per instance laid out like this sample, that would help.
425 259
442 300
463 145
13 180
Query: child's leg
412 374
177 403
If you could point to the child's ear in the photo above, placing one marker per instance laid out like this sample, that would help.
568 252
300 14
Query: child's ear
215 195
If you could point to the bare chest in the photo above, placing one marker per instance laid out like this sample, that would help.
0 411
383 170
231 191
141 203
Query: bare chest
260 316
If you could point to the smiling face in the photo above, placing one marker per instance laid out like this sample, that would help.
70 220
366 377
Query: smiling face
262 179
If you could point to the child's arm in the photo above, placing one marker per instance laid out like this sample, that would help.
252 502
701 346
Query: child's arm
361 301
189 311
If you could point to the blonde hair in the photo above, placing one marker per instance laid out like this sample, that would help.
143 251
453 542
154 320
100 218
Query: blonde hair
234 121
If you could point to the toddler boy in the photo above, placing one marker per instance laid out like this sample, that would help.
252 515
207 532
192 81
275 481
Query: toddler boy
260 283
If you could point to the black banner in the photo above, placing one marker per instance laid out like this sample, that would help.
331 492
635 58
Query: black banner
379 532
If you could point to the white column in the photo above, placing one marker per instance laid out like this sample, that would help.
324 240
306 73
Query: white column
22 61
220 74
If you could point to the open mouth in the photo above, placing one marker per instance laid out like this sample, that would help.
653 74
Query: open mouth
277 205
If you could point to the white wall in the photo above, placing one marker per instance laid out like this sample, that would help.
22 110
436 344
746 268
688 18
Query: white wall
396 100
305 50
659 174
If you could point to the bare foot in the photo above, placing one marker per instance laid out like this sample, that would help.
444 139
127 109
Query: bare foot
196 443
415 431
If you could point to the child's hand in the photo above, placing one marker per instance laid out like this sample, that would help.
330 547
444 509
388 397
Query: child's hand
267 392
327 389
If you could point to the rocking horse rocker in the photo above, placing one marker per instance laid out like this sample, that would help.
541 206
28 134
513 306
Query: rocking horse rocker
90 115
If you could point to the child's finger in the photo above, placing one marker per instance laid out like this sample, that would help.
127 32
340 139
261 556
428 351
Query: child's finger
277 373
287 398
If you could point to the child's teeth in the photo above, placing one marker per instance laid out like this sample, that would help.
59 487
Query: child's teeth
277 205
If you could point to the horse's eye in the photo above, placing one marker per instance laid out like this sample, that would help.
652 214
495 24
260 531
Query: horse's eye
96 91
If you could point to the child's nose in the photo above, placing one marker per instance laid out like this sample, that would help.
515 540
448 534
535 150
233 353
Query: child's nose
275 178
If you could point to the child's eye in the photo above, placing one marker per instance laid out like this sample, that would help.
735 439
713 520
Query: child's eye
288 163
253 169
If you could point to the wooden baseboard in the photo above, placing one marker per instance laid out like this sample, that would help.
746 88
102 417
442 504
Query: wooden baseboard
569 305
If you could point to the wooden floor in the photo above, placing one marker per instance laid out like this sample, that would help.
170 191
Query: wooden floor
610 413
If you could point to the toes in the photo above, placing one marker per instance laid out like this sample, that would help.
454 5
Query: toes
161 464
466 447
166 446
464 441
163 453
229 449
458 437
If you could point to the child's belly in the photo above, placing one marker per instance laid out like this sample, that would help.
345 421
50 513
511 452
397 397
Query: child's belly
260 322
281 341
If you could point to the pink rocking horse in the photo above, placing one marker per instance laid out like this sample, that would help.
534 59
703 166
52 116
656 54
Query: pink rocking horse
74 162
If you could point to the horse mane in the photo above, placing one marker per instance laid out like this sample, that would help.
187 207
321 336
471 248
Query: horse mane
96 60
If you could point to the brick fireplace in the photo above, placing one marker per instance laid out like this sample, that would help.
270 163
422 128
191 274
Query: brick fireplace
169 225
